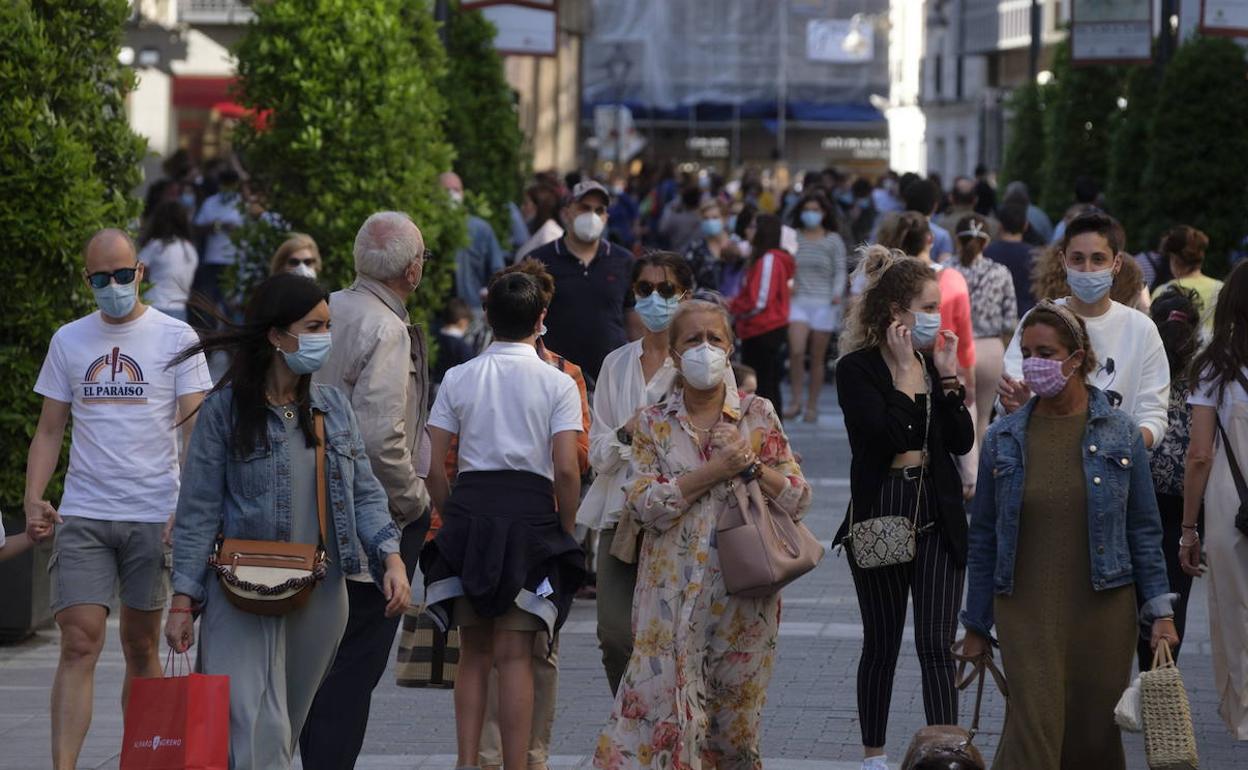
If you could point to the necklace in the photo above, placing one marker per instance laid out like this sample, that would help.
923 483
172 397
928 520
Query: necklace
288 410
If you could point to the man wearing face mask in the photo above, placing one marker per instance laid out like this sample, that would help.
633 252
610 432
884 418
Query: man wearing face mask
592 312
1133 370
704 254
384 373
481 258
110 371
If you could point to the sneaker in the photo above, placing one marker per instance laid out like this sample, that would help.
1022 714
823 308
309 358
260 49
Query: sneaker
875 763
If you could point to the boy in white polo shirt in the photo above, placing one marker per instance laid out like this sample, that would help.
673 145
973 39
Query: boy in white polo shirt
109 370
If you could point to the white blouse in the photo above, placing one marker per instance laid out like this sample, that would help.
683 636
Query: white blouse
621 391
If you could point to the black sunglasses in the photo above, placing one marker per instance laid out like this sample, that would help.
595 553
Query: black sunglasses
123 276
295 261
666 290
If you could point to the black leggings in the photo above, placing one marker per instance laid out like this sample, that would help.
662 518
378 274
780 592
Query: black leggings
1171 509
762 354
936 582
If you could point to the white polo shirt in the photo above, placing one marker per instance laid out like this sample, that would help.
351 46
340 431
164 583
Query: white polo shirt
506 405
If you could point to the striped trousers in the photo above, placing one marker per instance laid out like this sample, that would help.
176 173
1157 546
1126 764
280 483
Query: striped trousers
935 582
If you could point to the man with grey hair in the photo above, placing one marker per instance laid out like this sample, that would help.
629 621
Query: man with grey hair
383 369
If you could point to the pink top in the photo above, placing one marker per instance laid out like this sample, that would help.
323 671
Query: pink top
955 313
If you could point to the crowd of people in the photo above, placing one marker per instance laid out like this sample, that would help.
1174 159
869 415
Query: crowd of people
1039 423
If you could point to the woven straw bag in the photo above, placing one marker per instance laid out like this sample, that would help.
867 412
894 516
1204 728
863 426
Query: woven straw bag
1169 738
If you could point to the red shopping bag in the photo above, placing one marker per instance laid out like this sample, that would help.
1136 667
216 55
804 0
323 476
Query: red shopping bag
177 723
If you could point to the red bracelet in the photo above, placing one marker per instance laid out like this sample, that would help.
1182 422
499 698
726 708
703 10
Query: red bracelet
186 610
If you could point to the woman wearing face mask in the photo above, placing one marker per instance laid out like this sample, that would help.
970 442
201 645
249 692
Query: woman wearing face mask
906 416
298 254
1133 372
818 289
250 473
761 308
632 377
1064 531
705 255
697 679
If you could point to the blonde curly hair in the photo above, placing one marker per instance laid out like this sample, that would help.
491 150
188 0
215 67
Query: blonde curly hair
891 280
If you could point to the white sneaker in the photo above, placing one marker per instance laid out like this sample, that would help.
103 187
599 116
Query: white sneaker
875 763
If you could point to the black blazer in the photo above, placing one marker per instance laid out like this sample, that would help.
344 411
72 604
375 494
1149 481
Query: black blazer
884 422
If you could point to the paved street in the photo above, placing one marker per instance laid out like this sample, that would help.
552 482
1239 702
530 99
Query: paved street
810 721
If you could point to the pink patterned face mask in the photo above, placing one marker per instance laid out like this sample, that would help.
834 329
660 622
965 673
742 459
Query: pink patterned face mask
1044 375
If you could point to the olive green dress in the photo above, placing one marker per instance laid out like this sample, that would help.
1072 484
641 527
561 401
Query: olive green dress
1066 648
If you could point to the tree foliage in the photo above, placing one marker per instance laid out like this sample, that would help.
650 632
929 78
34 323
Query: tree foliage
481 118
1198 148
1024 152
68 163
354 126
1130 131
1076 127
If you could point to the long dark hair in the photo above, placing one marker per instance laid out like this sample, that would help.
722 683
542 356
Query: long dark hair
1177 315
276 304
1223 359
817 197
766 236
168 221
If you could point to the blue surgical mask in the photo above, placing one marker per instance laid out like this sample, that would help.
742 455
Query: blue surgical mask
926 327
812 219
116 300
1090 287
712 227
732 223
312 353
655 312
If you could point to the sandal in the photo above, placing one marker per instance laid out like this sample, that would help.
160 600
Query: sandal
792 412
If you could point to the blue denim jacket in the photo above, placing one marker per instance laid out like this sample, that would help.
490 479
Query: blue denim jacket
242 497
1124 526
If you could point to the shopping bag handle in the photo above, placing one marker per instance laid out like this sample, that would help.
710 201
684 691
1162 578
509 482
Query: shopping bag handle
172 661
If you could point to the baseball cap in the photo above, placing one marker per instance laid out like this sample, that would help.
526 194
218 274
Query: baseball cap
590 186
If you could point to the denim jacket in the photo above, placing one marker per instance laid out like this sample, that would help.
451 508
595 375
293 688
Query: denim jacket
1124 526
243 497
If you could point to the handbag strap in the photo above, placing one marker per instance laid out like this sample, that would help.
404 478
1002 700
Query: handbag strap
322 498
1162 656
1236 473
980 666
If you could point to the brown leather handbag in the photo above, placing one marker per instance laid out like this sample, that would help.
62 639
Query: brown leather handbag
950 747
272 577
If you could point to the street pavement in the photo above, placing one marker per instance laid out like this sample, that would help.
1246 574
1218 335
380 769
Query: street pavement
810 721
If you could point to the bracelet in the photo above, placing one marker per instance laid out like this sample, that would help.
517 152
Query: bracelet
181 610
950 378
1195 541
1188 526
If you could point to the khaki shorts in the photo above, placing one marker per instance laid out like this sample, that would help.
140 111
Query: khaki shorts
91 556
514 619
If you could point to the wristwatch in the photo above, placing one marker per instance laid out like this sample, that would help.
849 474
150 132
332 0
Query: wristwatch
752 471
624 437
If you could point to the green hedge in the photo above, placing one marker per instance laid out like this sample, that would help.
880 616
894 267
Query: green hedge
355 126
1024 152
481 119
68 161
1130 134
1076 128
1197 170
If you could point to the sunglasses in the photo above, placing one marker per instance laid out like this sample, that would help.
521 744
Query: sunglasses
666 290
295 262
123 277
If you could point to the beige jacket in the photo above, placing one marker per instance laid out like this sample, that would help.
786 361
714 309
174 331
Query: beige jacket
380 362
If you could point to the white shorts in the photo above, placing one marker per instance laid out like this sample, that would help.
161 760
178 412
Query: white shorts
820 316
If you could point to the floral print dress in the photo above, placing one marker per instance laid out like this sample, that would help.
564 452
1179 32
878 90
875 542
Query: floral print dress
692 696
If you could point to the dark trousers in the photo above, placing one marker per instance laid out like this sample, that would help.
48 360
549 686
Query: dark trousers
334 731
763 355
1171 508
935 581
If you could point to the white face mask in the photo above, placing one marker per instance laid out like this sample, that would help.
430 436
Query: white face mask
588 226
704 366
307 271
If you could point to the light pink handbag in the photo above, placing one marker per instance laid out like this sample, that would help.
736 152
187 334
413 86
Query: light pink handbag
761 549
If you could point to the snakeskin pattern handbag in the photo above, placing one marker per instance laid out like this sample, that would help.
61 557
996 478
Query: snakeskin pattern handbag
885 541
